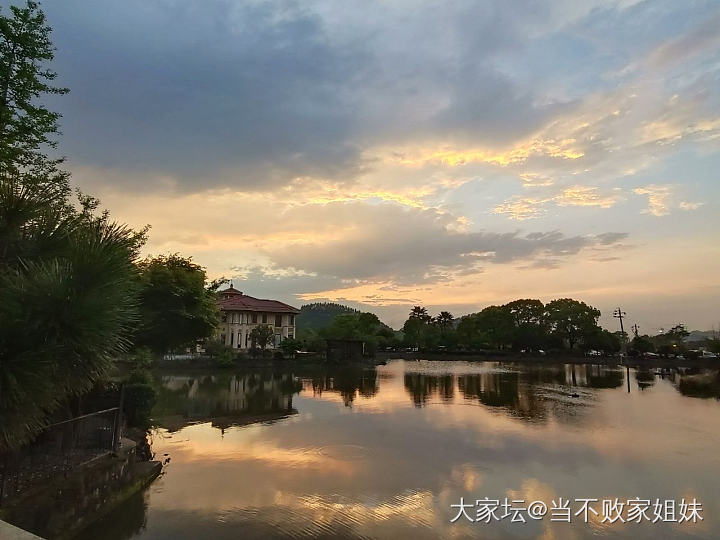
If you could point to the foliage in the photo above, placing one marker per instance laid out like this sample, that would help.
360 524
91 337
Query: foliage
641 345
68 280
320 315
703 385
571 320
289 347
223 355
177 309
671 342
363 326
261 336
602 340
140 397
520 325
26 126
68 304
311 340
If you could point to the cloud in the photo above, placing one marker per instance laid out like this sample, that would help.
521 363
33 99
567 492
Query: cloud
386 243
659 197
522 208
684 205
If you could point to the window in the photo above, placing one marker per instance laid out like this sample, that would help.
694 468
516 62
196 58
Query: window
232 339
292 320
264 318
254 318
278 320
239 341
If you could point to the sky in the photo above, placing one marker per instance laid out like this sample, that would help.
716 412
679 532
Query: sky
451 154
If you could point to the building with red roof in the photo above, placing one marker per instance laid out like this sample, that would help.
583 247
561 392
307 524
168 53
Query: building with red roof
241 313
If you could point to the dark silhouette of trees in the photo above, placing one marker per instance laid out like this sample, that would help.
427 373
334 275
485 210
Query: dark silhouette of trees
27 127
177 306
571 320
521 325
68 282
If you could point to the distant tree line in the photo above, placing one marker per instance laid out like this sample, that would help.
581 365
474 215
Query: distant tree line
521 325
320 315
352 324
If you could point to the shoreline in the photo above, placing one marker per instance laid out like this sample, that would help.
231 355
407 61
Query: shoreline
204 364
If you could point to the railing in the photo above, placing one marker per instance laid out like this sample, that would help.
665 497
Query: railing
58 449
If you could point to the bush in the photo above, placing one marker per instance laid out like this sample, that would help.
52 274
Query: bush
139 400
224 360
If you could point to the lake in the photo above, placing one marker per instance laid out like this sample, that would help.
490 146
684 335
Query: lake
388 452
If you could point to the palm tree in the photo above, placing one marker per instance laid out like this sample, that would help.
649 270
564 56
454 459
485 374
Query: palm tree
444 320
68 288
419 312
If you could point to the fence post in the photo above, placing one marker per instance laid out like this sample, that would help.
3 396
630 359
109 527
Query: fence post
2 478
118 420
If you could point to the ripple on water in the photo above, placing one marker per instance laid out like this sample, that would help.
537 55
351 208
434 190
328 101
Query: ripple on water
344 452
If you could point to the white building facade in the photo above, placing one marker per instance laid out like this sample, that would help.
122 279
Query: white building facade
241 313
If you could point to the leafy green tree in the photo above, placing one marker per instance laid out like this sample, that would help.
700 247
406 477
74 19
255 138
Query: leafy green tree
572 320
641 345
177 306
320 315
602 340
311 340
363 326
290 346
529 324
414 331
261 336
26 126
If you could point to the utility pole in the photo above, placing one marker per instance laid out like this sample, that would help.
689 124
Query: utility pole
619 314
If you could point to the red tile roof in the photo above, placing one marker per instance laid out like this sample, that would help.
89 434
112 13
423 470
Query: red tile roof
233 300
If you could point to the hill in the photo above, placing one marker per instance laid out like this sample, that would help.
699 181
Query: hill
320 315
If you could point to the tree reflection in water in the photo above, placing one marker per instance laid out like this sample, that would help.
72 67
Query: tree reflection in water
527 394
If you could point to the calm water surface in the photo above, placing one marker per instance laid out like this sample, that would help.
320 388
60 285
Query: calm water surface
384 453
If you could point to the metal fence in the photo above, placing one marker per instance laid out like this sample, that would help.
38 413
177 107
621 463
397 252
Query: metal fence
58 449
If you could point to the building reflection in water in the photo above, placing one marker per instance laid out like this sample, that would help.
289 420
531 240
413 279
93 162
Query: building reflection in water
225 399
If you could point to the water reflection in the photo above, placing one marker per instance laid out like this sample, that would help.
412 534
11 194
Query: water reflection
358 453
349 382
223 399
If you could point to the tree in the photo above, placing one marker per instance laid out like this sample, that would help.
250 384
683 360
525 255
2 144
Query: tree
363 326
641 345
529 323
495 325
419 312
177 306
444 321
261 335
290 346
671 342
604 341
26 126
68 282
68 305
571 320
